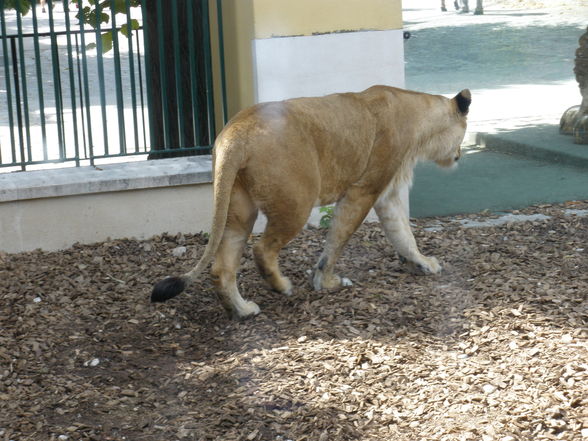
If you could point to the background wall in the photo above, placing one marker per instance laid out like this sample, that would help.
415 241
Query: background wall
278 18
278 49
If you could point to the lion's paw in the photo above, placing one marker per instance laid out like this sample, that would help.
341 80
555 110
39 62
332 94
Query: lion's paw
283 285
320 281
431 266
425 265
245 311
346 282
287 288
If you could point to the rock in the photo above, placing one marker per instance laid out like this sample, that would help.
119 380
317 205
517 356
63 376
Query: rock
488 388
93 362
179 251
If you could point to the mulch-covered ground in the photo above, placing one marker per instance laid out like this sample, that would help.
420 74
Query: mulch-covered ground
493 348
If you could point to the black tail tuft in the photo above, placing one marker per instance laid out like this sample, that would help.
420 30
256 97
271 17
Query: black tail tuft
167 289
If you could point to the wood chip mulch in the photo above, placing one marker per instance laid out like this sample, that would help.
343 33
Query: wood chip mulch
493 348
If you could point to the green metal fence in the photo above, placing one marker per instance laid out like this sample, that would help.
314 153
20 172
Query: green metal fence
76 90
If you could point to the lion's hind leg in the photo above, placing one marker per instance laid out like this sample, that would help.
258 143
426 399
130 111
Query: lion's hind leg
283 225
242 215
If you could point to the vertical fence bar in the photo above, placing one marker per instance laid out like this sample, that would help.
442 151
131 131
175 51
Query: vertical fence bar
193 73
118 82
72 89
163 78
17 101
40 83
25 95
101 82
178 74
90 153
57 83
148 62
208 71
132 73
221 46
7 80
81 91
141 91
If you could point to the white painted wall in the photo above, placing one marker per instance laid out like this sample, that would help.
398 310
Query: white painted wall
318 65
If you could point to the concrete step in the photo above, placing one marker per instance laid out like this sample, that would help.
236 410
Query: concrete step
541 142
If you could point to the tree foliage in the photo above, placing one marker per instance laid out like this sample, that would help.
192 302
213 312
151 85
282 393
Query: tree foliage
94 15
99 13
22 6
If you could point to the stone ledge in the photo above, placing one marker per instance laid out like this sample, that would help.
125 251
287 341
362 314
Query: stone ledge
105 178
541 143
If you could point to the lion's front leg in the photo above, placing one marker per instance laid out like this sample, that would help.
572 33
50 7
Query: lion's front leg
395 222
350 212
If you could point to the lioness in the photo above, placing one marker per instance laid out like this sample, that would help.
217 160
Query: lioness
357 150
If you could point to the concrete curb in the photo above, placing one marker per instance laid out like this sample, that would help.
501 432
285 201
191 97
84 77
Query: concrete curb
105 178
541 143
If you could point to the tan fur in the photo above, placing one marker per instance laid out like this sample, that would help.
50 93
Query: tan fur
353 149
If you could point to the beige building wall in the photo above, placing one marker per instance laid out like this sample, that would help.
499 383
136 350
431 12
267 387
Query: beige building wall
281 18
302 25
238 33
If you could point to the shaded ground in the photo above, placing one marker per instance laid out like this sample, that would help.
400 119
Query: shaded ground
494 348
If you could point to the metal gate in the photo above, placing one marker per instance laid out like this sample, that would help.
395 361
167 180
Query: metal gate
77 90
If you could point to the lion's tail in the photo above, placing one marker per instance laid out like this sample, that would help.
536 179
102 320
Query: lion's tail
227 163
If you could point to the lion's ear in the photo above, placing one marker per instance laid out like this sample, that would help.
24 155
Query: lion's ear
463 100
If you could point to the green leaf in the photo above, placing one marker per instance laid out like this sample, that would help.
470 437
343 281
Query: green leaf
106 42
327 217
92 18
104 18
22 6
124 29
120 7
84 14
325 222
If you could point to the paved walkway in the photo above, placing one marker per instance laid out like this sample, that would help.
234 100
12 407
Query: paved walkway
519 66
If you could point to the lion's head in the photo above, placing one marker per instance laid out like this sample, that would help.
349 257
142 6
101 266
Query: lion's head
445 148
